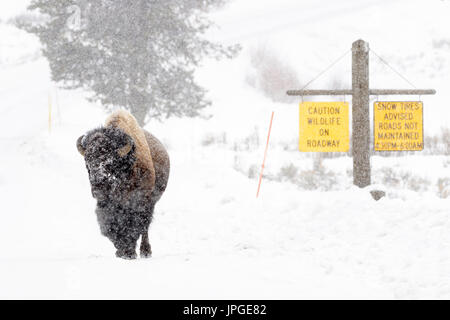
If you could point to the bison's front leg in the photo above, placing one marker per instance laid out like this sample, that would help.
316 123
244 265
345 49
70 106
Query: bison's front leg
120 227
146 217
126 239
125 245
146 249
126 253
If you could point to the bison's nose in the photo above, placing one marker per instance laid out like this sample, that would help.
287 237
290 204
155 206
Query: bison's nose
98 179
98 195
97 183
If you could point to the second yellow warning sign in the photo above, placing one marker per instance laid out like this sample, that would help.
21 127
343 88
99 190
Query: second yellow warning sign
324 127
398 125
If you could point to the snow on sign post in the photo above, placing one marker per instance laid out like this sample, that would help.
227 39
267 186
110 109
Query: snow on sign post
398 126
324 127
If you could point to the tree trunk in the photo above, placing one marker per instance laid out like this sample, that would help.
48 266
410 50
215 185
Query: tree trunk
138 102
139 79
139 112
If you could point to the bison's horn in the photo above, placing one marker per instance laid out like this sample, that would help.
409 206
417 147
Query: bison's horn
125 149
80 148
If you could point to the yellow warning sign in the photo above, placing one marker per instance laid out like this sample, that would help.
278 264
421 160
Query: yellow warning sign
398 126
324 127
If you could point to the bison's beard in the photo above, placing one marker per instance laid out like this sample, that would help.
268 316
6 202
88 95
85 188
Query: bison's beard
122 196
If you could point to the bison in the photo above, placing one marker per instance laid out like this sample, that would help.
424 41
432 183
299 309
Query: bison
128 171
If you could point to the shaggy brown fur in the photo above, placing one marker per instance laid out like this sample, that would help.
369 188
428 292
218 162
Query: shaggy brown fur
161 163
144 172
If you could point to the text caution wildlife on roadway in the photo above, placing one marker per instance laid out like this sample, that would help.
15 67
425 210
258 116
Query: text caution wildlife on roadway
398 126
324 127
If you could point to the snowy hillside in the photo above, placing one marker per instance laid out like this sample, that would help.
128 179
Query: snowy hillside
310 234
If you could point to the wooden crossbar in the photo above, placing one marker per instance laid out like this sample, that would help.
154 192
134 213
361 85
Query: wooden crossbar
348 92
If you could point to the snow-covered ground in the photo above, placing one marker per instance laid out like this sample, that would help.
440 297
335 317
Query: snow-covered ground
211 238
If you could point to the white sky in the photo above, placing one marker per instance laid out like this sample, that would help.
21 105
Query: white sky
10 8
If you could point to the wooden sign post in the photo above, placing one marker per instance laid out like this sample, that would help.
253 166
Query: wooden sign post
360 114
360 109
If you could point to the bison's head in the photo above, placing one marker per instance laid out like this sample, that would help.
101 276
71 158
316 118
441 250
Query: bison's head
110 155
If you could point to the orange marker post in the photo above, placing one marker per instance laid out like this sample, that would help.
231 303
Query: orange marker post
265 155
